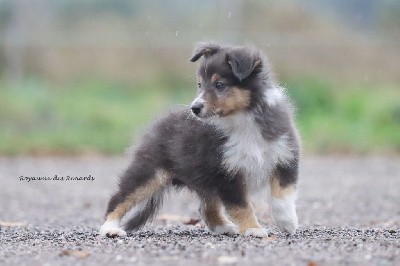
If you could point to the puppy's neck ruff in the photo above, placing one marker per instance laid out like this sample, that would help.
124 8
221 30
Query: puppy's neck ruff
274 95
247 152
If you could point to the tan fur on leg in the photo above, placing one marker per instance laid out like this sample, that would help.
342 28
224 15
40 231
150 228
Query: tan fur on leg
141 193
111 226
280 192
283 206
244 217
211 210
212 213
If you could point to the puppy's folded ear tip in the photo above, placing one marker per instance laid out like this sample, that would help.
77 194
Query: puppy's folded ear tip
204 48
195 57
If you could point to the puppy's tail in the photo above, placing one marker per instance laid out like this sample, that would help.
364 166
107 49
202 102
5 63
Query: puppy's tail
147 213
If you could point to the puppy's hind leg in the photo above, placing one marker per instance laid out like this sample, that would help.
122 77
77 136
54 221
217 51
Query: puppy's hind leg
212 213
135 187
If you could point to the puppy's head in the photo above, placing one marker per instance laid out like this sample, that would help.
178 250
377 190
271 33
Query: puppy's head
226 79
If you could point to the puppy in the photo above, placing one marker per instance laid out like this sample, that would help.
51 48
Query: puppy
237 138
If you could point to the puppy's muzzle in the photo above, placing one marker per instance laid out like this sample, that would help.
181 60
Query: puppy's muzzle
197 107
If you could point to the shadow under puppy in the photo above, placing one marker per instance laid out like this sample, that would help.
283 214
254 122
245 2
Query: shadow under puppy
237 138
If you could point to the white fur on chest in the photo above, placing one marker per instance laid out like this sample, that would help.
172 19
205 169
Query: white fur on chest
246 150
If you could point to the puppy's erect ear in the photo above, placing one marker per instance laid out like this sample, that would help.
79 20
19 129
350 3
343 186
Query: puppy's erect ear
205 49
243 61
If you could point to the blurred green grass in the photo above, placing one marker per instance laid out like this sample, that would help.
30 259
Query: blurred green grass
98 116
361 119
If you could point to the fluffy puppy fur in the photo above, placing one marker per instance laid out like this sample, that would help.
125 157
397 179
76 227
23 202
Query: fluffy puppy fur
237 138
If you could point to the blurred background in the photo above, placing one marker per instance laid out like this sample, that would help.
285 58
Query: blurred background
84 77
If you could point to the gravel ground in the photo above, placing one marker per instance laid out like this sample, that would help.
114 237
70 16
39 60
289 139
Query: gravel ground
348 209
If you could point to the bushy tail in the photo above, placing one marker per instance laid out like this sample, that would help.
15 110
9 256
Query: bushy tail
147 212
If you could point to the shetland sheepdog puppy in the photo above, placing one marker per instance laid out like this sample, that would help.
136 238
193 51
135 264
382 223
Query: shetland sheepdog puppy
238 137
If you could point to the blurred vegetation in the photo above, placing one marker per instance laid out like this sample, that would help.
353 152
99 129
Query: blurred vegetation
87 76
96 116
89 116
352 119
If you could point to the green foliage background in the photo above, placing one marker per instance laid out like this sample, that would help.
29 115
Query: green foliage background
94 116
85 77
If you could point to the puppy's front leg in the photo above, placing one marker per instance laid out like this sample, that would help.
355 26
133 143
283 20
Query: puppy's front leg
244 216
239 208
211 211
283 197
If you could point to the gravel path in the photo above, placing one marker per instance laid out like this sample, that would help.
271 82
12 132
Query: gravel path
349 213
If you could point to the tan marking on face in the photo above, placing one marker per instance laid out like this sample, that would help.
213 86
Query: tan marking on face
280 192
236 100
141 193
244 217
212 213
215 78
209 98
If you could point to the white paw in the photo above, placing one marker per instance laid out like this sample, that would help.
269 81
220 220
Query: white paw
111 229
229 229
257 232
287 224
284 214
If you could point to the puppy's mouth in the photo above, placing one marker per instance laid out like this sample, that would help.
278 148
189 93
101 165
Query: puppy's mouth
203 115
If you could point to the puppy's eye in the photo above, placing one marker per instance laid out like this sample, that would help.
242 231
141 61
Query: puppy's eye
219 85
199 85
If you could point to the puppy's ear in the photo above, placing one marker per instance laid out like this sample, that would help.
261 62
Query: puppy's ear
243 61
205 49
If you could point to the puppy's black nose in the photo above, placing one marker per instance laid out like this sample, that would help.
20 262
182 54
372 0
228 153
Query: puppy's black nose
196 107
